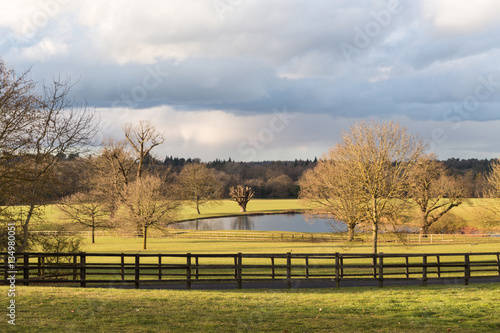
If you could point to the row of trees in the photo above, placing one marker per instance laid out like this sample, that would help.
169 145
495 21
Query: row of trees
368 179
374 174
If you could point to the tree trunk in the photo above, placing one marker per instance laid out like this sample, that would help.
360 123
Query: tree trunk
243 206
93 233
350 233
144 237
424 230
26 227
375 236
198 208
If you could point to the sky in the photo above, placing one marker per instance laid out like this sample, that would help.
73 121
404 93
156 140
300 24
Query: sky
270 80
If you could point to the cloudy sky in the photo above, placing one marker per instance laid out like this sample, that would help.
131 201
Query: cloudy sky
267 80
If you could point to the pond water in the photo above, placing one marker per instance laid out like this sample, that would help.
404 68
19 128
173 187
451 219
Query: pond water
281 222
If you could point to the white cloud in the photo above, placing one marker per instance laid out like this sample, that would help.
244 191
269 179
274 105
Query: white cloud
462 17
212 80
44 49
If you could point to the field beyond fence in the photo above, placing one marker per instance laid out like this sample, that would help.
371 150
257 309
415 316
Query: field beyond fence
116 269
291 236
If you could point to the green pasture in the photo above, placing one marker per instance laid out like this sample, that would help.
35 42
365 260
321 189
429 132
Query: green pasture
473 212
444 308
202 246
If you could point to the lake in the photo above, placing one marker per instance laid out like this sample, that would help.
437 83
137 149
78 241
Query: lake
280 222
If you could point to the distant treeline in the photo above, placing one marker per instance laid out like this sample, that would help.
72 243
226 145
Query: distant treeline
278 179
269 179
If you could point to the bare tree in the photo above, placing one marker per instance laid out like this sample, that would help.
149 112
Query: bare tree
17 104
434 192
86 208
493 180
199 184
242 195
493 192
112 171
375 160
330 195
37 128
149 205
142 138
57 127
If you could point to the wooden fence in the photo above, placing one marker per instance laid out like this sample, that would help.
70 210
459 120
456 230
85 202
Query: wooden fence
111 269
294 237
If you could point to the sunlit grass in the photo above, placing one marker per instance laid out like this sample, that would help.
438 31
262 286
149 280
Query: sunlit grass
443 308
169 245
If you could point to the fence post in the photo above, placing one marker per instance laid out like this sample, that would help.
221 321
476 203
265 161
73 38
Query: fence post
341 267
498 262
272 269
196 271
374 264
424 270
438 266
83 276
122 262
307 267
288 270
159 267
467 269
75 262
239 275
381 269
337 269
137 271
188 271
26 272
407 269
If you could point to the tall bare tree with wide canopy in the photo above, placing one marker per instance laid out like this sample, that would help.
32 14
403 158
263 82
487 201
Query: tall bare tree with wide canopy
372 161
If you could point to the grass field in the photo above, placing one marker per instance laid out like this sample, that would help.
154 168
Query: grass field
200 246
471 211
451 308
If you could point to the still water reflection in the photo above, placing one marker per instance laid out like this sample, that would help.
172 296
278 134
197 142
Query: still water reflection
282 222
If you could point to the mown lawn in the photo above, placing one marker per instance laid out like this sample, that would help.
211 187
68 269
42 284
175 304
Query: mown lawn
199 246
446 308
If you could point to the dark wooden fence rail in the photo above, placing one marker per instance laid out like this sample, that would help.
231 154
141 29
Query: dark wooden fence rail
99 269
